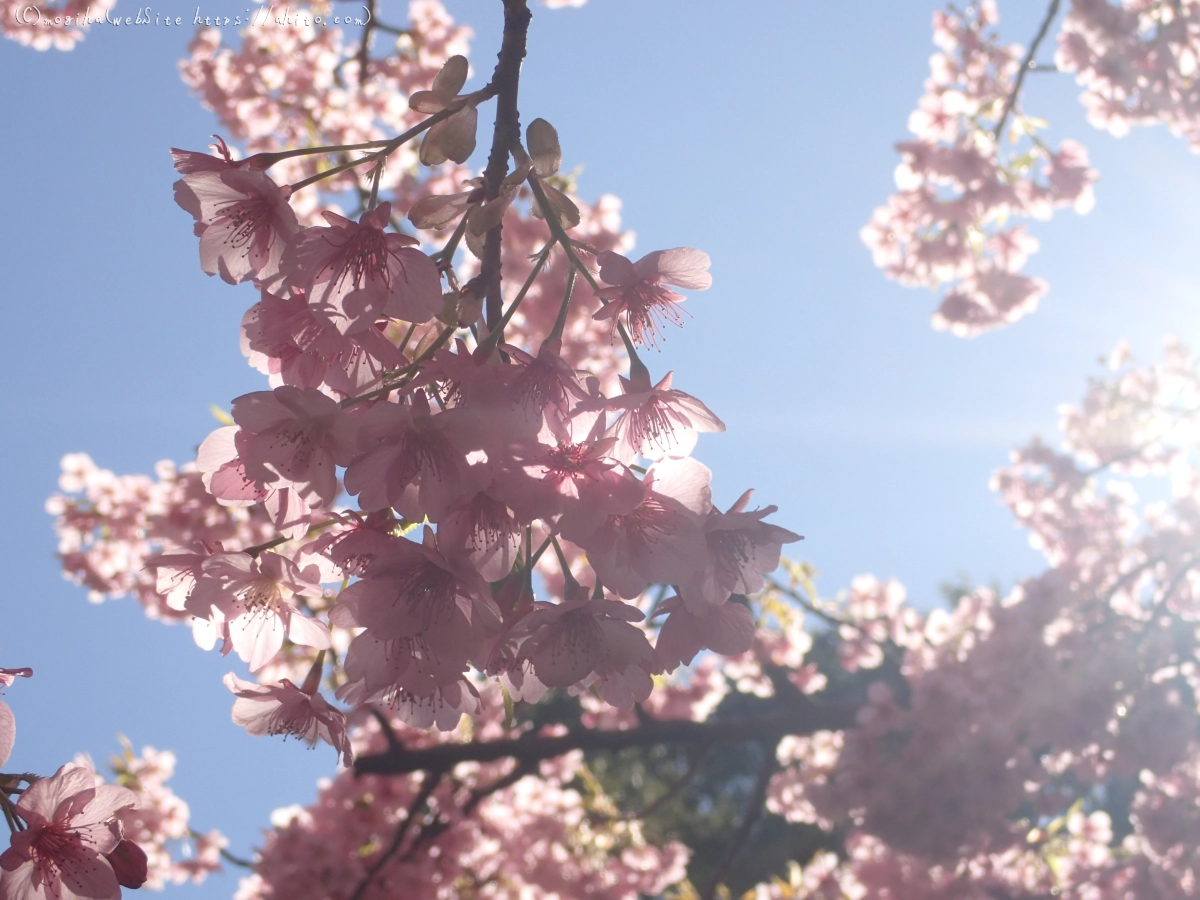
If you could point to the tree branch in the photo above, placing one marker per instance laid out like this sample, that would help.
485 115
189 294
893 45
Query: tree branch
1025 68
506 79
432 779
754 810
803 717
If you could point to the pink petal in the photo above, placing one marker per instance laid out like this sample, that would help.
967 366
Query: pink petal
616 269
45 797
257 638
109 798
308 632
8 732
683 267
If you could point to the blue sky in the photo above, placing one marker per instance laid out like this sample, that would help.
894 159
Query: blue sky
763 137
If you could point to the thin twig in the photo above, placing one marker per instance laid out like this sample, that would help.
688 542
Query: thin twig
754 810
673 791
225 854
811 607
365 47
235 860
395 143
432 830
1025 68
389 734
432 779
507 129
496 334
802 717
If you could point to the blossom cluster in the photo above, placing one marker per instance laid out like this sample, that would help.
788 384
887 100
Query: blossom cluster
454 475
158 824
975 169
487 830
109 526
1137 62
60 25
1020 721
73 835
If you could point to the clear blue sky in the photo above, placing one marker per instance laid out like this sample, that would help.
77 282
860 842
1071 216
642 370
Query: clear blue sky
761 134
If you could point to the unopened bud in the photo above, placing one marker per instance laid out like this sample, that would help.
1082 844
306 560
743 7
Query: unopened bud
128 861
543 147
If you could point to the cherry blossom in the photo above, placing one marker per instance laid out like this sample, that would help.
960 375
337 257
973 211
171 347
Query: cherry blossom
293 438
61 26
658 420
639 290
289 710
70 830
252 602
741 549
243 220
158 826
353 273
960 186
8 732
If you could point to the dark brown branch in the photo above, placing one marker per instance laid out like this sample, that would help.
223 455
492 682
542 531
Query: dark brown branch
364 50
802 718
389 733
480 794
1026 64
673 791
754 811
432 779
432 830
506 79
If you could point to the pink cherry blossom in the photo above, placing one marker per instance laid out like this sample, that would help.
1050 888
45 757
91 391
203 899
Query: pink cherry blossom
7 676
60 26
286 709
109 527
413 460
658 421
8 732
224 476
661 540
741 549
575 477
243 220
252 603
639 289
354 273
61 854
727 629
545 385
583 637
489 532
961 183
159 826
293 437
189 162
284 340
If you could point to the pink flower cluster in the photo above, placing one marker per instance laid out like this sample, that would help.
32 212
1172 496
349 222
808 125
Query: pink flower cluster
531 459
73 836
61 25
108 533
964 187
158 824
991 768
1137 61
482 832
71 845
288 82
